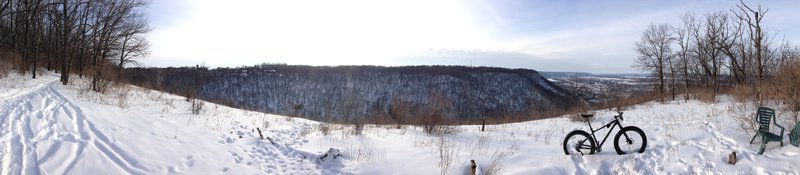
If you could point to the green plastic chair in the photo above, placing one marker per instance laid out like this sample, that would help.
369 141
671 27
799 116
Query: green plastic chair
794 136
763 118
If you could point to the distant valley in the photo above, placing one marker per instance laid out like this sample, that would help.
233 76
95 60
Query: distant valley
599 88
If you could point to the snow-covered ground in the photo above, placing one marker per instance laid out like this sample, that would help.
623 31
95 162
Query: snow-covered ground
48 128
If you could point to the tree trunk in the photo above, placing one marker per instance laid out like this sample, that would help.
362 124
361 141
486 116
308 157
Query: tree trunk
65 46
122 58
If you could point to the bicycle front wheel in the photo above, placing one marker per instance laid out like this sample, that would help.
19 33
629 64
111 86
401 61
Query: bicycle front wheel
630 139
578 143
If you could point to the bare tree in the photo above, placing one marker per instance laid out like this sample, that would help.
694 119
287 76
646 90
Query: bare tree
752 18
738 52
118 31
711 59
788 55
681 38
721 43
655 51
132 44
67 18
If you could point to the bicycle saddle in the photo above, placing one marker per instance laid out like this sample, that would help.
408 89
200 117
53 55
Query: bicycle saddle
587 115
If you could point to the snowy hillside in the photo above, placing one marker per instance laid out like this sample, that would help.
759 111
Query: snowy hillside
48 128
363 93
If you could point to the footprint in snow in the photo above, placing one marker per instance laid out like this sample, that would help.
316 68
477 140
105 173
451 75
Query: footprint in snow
790 154
188 161
236 158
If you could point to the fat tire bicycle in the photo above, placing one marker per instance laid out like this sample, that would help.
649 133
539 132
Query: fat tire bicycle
629 139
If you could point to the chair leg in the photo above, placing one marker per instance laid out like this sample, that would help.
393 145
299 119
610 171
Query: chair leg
754 138
761 151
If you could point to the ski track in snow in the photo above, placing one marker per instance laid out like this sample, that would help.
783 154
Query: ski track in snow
21 141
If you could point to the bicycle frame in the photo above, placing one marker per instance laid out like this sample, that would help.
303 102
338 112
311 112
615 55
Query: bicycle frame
577 139
611 125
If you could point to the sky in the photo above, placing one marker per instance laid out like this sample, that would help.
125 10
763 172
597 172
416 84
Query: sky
572 36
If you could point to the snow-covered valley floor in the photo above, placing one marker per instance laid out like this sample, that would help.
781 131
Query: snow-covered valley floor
48 128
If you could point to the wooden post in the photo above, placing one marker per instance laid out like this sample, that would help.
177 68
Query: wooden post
259 133
483 126
474 167
732 158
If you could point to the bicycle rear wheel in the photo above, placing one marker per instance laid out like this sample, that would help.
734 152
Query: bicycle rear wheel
578 143
630 139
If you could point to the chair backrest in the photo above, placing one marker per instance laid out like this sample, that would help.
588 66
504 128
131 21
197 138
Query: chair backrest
794 137
764 116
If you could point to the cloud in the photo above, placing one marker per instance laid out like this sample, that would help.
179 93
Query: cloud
595 36
312 31
167 13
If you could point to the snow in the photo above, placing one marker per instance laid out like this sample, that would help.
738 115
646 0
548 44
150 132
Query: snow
48 128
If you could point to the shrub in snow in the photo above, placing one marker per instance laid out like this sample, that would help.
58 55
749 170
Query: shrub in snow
324 128
197 106
5 68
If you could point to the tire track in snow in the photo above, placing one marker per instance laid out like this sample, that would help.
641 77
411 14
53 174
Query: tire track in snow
53 110
20 156
19 153
100 141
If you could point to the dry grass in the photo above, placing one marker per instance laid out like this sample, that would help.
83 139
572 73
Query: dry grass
706 95
743 93
121 93
744 114
479 147
7 61
324 128
358 128
781 92
548 133
498 157
435 125
169 104
5 68
447 151
361 150
305 130
109 94
786 86
576 112
197 106
13 82
496 165
264 122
